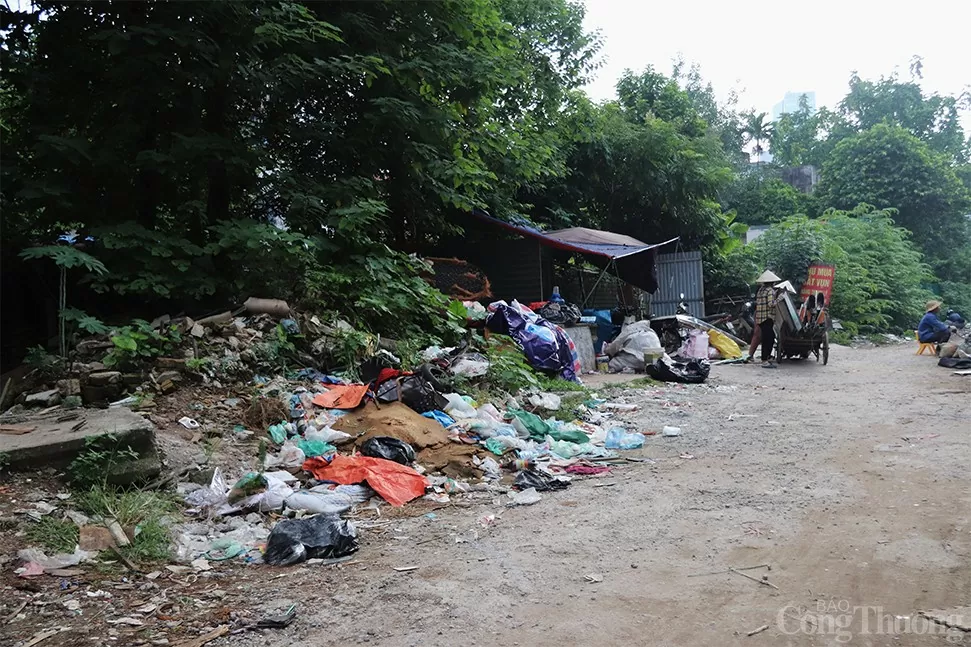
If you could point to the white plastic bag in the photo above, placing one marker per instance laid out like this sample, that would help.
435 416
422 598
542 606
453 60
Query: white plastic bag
322 499
458 408
326 435
216 494
290 455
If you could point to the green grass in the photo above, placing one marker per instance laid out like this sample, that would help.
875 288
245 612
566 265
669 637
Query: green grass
134 508
54 535
559 385
153 543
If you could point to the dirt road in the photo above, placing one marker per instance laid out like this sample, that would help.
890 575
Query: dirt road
862 528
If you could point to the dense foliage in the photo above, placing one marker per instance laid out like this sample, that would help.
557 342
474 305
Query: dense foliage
203 152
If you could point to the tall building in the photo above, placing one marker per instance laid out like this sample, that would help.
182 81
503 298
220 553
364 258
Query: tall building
790 104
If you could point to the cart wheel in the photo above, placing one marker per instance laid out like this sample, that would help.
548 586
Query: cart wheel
825 348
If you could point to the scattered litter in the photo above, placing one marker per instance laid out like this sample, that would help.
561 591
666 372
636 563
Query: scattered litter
525 497
686 456
131 622
405 569
188 423
594 578
281 621
671 431
758 630
618 438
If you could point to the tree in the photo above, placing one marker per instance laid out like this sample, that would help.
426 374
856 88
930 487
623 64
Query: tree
212 149
934 119
757 128
646 165
879 271
761 202
889 167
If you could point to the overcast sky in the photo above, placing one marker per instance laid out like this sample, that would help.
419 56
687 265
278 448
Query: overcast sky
762 49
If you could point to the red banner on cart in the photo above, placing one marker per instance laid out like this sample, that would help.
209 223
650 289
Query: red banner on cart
820 280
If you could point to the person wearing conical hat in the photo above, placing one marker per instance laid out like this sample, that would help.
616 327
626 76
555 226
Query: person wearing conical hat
764 333
931 328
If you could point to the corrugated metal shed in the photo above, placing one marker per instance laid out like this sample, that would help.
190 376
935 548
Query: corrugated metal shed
677 273
517 269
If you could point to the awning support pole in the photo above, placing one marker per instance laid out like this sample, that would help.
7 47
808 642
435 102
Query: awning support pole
596 283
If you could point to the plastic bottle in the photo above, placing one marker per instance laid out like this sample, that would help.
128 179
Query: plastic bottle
556 298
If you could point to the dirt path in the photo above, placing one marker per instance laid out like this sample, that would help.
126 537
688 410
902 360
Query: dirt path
858 524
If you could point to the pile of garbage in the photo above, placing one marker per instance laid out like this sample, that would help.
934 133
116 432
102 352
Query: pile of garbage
344 447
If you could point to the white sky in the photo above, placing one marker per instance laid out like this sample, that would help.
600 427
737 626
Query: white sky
762 49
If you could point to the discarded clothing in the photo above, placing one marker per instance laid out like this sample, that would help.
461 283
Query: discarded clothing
586 470
342 396
396 484
546 345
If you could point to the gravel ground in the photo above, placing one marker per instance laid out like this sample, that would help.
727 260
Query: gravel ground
849 481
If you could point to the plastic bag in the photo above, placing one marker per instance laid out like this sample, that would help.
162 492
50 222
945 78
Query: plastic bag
618 438
539 480
326 435
692 372
500 444
472 365
396 484
325 500
548 401
443 418
697 345
290 455
296 540
458 407
278 433
275 492
61 560
631 345
311 448
392 449
209 497
490 469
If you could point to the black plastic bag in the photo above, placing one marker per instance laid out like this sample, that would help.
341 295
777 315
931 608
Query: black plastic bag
415 391
691 372
297 540
389 448
542 482
959 363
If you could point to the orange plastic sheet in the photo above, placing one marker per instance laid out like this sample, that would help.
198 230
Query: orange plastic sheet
341 396
397 484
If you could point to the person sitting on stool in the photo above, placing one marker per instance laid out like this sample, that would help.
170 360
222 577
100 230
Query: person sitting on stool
931 328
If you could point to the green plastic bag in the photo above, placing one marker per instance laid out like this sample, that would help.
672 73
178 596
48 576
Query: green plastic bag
536 427
495 446
312 448
278 433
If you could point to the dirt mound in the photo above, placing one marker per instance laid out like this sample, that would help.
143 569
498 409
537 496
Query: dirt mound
395 420
435 451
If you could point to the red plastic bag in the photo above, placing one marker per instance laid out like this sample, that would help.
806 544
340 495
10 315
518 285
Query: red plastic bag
341 396
397 484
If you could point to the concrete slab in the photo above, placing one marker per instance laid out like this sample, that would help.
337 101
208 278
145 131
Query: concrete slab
55 444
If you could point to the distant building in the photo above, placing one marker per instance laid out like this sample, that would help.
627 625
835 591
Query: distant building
790 104
754 231
802 178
